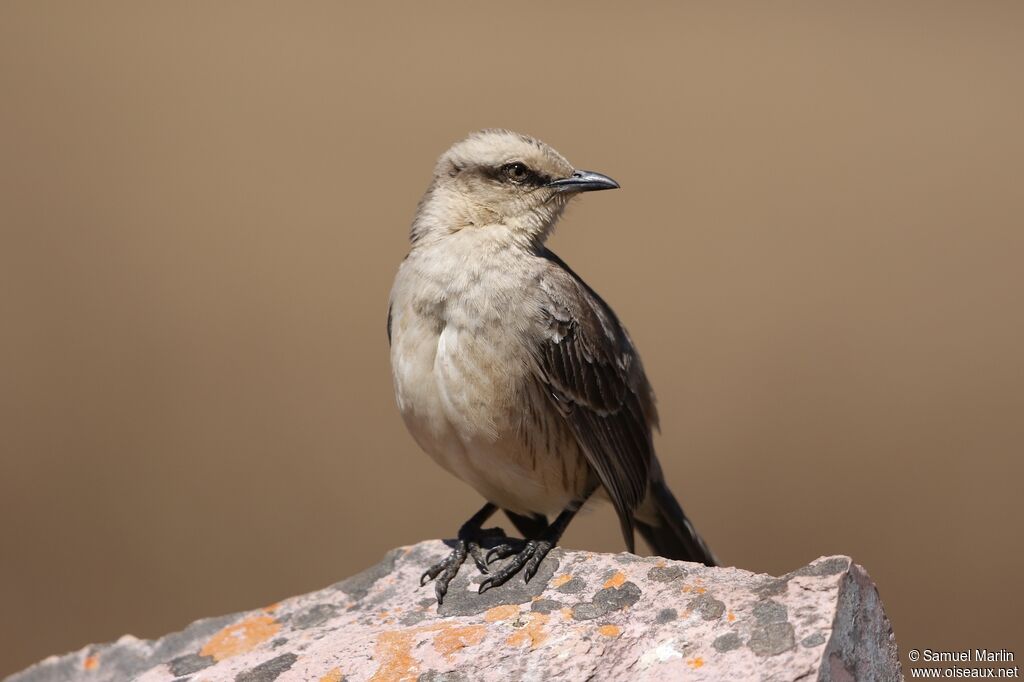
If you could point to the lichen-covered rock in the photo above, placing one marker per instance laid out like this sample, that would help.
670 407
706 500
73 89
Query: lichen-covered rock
583 617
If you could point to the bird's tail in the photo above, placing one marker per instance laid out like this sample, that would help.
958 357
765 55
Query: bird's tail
666 529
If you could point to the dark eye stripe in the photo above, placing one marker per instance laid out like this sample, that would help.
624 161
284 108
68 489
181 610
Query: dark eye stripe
522 174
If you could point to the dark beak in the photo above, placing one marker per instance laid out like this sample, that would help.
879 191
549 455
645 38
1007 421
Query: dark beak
583 181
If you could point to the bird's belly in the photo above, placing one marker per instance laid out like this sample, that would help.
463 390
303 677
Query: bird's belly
462 396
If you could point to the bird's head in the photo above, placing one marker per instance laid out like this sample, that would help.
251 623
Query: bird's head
505 182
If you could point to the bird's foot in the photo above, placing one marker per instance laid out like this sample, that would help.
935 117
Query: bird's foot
527 558
444 571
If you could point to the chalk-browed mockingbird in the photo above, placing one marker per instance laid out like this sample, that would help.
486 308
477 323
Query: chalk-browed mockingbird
511 372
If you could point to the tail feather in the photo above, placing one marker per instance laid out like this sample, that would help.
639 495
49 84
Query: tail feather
669 533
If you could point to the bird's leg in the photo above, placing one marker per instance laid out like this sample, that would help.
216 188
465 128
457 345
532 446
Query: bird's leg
530 527
533 551
468 543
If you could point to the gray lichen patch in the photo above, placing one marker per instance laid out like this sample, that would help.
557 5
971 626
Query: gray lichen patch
315 615
831 566
574 586
666 574
666 616
620 597
609 574
412 617
546 605
707 606
727 642
606 600
769 611
268 671
811 641
191 638
438 676
772 639
772 587
586 611
189 663
359 585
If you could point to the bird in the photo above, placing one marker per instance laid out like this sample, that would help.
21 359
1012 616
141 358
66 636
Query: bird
513 374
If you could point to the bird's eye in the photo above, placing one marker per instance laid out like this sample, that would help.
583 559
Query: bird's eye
516 172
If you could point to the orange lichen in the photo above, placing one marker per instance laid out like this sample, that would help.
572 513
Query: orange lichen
616 580
91 662
270 608
695 662
504 612
561 580
241 637
332 675
394 651
451 639
532 633
566 613
609 630
731 617
697 586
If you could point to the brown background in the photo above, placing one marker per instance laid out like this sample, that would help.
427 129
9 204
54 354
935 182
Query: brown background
203 207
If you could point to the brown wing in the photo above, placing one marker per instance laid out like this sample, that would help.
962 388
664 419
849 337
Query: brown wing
594 376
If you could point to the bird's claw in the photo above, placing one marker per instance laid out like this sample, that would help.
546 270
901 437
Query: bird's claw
477 552
503 550
429 574
528 559
444 571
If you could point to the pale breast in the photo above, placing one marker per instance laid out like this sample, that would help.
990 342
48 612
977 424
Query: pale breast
462 376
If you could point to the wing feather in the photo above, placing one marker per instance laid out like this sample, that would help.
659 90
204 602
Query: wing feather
593 374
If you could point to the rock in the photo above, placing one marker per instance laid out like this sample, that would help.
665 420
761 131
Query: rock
584 616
